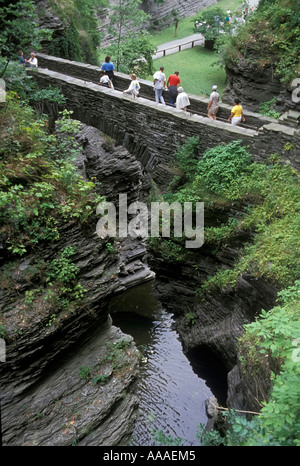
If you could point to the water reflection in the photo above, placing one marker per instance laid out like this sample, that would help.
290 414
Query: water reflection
172 395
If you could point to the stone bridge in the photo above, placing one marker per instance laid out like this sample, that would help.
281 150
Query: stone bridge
153 132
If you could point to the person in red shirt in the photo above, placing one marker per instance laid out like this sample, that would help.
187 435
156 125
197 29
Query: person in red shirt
172 84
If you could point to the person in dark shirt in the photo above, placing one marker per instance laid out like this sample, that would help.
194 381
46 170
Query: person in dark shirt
21 57
109 68
172 84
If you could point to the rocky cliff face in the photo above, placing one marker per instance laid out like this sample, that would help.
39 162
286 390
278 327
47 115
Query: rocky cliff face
66 376
255 85
218 316
48 20
162 12
251 85
71 379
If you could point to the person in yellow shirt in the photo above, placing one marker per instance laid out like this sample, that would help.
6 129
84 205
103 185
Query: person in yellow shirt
236 115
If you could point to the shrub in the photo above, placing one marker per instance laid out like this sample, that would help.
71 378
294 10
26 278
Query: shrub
39 184
221 168
276 332
270 37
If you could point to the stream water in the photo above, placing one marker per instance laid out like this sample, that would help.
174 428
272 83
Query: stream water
172 393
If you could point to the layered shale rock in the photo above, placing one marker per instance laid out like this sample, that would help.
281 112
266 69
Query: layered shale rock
211 322
67 373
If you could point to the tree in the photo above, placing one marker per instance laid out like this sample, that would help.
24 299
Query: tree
81 36
18 28
211 24
126 27
134 56
175 14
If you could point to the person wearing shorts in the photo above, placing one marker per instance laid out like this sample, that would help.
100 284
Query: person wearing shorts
213 104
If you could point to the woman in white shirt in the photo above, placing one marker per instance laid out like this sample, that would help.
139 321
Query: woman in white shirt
32 60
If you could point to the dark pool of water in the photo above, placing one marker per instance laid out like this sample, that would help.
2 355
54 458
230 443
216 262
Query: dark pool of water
172 393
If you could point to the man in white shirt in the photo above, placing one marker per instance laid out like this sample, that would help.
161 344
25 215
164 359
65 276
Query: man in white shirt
182 100
159 81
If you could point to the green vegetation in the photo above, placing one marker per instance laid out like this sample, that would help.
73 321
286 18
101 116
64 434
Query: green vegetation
265 199
190 317
63 288
130 45
81 36
227 176
59 288
18 30
207 25
114 356
109 247
274 334
273 27
197 68
186 25
85 372
40 192
267 109
161 438
115 352
38 186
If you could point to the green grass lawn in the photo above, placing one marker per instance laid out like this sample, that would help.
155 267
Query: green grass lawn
194 65
195 70
186 25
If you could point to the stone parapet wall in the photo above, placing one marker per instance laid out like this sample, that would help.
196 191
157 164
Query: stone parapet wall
153 131
92 73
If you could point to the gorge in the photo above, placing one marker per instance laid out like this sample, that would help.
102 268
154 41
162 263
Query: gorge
125 341
50 393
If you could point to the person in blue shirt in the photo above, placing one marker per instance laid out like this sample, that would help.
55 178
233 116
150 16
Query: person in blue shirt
21 57
108 67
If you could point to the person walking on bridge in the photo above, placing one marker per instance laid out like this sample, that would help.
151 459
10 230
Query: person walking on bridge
182 100
213 104
134 87
105 81
109 68
159 82
236 115
172 84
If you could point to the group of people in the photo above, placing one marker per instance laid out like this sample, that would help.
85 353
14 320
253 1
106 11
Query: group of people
31 62
236 114
107 78
177 97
